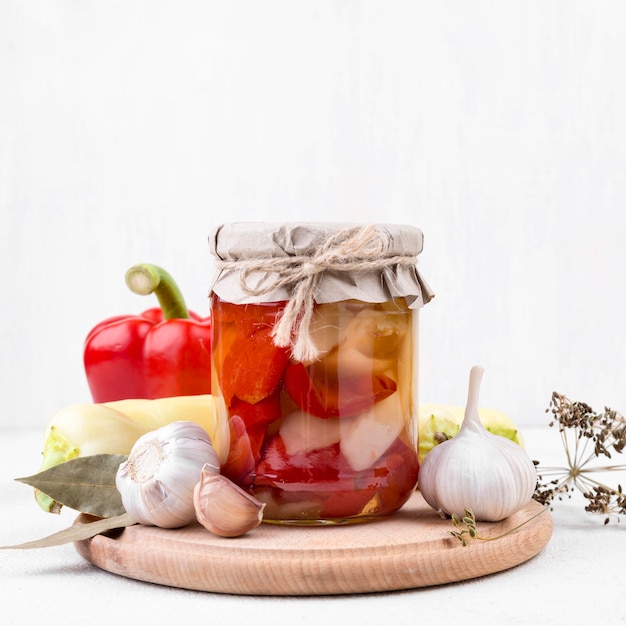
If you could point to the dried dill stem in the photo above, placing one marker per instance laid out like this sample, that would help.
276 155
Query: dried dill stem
586 436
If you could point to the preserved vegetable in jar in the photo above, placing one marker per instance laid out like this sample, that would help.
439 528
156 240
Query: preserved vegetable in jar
314 348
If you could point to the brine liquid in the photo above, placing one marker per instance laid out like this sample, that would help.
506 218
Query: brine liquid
328 441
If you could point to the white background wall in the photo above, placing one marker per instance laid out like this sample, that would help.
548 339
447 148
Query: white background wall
128 130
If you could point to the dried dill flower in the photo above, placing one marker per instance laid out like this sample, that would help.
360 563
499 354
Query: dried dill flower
466 527
586 436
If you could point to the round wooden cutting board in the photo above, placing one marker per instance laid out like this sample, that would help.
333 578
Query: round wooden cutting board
413 548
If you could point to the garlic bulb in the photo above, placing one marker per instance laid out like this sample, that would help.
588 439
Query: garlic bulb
224 508
476 469
157 480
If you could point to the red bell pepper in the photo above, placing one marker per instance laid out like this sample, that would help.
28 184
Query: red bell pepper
160 353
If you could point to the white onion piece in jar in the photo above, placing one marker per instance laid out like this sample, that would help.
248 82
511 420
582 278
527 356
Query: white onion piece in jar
366 437
302 432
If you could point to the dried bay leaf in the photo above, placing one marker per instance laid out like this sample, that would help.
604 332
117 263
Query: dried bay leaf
85 484
77 532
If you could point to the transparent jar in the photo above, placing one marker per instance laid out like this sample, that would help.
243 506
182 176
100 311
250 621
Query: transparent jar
326 433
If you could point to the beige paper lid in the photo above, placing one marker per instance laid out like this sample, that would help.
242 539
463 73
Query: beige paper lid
264 261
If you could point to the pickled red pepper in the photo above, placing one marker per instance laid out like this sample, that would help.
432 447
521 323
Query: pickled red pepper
318 396
329 396
165 351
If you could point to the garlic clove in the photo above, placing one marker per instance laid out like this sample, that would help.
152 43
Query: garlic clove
476 469
157 479
224 508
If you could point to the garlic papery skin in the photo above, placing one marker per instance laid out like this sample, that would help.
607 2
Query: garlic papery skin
157 480
477 470
224 508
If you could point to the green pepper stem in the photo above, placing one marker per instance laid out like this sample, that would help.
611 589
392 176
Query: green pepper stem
145 278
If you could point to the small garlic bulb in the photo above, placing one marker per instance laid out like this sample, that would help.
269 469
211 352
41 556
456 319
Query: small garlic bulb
224 508
476 469
157 480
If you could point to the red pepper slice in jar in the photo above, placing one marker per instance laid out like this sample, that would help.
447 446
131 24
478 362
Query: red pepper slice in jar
245 447
324 396
253 367
261 413
315 467
325 476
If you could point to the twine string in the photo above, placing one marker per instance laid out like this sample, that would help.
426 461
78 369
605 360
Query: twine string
353 250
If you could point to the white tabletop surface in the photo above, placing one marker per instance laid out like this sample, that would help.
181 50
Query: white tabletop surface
578 577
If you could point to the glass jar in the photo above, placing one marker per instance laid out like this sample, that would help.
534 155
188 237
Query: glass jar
314 348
